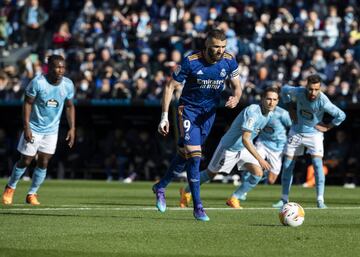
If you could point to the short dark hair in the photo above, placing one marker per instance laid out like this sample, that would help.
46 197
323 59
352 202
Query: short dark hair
274 89
313 79
217 34
55 57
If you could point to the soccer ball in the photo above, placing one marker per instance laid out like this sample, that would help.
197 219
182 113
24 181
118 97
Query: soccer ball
292 214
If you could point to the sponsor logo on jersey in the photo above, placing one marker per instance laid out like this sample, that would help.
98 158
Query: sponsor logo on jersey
200 72
210 83
306 114
52 103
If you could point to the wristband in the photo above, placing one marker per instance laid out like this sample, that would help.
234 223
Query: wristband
164 116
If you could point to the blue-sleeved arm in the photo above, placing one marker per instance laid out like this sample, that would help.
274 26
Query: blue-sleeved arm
234 71
182 71
287 93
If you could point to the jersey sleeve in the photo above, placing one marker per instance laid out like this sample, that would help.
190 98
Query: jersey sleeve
285 119
70 90
234 68
182 71
333 110
32 88
287 93
250 117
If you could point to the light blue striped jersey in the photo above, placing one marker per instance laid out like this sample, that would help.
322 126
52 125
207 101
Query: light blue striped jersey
250 119
273 136
310 113
48 104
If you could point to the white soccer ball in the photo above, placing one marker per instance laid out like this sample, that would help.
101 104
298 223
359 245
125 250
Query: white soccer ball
292 214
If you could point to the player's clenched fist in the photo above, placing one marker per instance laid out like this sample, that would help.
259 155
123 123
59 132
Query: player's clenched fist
163 127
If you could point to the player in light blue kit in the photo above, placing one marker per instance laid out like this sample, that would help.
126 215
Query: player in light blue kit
307 131
236 148
202 75
270 145
45 97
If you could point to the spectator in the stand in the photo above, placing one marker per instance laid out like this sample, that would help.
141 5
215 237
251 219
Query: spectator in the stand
142 66
349 70
156 86
4 85
121 90
160 59
333 65
33 20
140 89
61 38
318 62
5 33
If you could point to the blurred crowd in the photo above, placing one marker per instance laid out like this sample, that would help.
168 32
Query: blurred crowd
127 49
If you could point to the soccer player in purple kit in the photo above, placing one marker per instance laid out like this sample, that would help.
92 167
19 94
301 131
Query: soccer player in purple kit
202 75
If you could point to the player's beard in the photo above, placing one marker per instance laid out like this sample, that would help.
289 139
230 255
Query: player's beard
214 56
311 97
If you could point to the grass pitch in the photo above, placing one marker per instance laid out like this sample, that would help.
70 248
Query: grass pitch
92 218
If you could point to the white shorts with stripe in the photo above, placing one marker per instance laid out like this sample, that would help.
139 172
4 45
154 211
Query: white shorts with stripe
271 156
41 143
297 142
224 160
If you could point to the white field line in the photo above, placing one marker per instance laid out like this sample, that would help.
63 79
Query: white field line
142 208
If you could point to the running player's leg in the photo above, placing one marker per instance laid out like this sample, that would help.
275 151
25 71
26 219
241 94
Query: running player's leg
315 146
293 148
247 161
47 147
28 151
221 161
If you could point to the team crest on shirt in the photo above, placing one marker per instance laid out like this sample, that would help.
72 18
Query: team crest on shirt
223 73
52 103
177 70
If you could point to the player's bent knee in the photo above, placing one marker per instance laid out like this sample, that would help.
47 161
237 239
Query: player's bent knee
211 174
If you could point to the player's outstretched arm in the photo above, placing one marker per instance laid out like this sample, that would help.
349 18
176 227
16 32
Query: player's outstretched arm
163 127
233 100
27 108
70 116
247 142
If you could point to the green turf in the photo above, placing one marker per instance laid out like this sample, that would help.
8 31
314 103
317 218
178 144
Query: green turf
92 218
